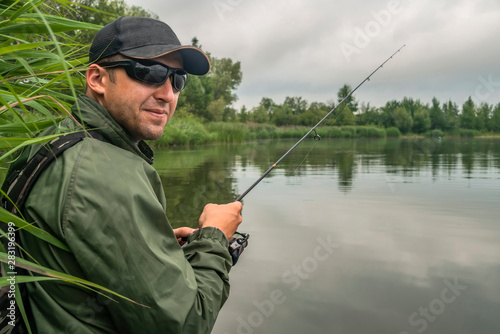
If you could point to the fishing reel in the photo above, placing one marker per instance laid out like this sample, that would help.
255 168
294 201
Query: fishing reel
237 244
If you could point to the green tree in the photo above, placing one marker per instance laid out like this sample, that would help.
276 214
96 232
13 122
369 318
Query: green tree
215 110
268 104
243 114
259 115
387 114
351 101
402 119
410 105
226 76
262 114
345 116
211 96
288 113
314 114
368 115
436 115
483 118
296 104
282 115
99 12
197 96
229 114
495 119
451 112
467 118
421 120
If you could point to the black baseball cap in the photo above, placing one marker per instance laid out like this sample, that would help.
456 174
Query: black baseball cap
143 37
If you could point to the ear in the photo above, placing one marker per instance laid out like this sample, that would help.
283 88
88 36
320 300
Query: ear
97 79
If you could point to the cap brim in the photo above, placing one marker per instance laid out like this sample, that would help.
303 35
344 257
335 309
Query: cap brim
194 60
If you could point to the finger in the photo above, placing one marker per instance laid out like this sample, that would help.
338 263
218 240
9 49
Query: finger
183 232
239 204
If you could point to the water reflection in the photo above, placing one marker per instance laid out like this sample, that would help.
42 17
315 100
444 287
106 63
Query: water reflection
192 177
415 224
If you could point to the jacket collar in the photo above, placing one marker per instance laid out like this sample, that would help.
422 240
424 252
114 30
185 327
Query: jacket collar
95 116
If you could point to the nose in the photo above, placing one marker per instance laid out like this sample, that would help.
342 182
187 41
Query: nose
165 92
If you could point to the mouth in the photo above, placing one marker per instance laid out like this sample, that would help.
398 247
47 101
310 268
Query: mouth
160 113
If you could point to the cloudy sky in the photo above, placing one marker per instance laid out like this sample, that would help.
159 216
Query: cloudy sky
310 48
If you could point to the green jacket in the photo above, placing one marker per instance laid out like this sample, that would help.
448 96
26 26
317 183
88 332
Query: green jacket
106 202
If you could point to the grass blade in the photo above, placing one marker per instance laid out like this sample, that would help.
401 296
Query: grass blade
35 268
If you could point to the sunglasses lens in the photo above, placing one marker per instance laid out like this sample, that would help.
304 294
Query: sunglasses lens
179 81
157 75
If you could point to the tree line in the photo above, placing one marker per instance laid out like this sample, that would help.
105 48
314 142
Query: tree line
408 115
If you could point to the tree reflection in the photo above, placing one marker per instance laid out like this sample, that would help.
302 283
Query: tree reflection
193 178
196 176
344 162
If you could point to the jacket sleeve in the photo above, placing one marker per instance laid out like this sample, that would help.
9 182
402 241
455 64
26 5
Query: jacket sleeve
113 220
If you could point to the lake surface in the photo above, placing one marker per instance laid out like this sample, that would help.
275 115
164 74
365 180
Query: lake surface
388 236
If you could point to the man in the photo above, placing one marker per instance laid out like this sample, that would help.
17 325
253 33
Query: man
106 202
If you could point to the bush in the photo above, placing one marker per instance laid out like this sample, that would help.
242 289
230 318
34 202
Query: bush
392 132
334 132
264 131
183 132
370 132
292 132
348 131
187 131
436 133
228 132
467 133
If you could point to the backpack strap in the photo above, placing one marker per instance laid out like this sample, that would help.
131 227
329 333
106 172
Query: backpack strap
21 181
17 187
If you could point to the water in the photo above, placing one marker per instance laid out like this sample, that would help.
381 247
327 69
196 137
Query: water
354 236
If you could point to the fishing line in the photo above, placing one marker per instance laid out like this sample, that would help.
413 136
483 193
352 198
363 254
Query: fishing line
305 157
273 166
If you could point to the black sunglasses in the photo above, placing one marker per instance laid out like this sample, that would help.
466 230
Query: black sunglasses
151 72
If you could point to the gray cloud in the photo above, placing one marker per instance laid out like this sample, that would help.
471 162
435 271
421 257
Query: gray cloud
311 48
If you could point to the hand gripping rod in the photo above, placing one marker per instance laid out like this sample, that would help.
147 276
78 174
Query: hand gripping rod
313 128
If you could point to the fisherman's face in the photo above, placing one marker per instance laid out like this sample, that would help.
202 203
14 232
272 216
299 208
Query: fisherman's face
142 109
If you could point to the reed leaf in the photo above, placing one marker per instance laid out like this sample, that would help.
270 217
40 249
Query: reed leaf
25 128
19 47
29 24
55 275
25 279
26 7
32 141
20 306
6 216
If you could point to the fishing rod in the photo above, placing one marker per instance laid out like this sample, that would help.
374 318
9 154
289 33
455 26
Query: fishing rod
239 241
273 166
